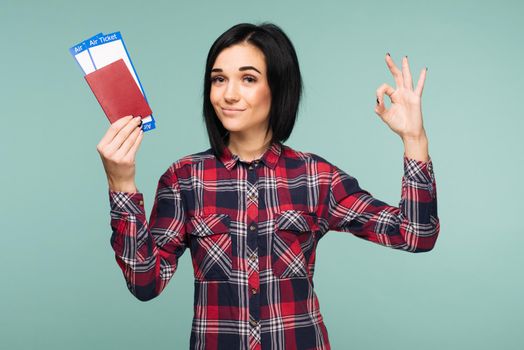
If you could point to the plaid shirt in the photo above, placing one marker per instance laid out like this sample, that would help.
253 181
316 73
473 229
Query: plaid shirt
252 229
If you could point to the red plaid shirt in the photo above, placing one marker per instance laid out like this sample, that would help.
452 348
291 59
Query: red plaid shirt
252 229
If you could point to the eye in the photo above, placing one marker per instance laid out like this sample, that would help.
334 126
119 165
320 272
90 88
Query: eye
250 79
216 79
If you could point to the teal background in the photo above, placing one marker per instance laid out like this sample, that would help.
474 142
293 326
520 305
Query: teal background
60 285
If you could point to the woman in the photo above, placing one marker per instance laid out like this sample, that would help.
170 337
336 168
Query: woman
252 209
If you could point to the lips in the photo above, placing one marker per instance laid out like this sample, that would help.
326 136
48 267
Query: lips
232 109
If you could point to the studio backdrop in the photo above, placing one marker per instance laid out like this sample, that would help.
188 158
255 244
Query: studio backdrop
61 287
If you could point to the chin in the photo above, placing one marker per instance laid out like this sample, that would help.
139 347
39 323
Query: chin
232 126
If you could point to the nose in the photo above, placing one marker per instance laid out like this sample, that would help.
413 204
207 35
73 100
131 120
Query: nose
231 94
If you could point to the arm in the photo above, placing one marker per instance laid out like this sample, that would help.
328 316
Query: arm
148 253
413 226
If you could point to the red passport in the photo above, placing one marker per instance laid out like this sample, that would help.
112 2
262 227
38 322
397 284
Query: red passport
117 92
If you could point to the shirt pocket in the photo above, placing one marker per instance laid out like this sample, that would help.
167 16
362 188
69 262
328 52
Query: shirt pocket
293 244
210 242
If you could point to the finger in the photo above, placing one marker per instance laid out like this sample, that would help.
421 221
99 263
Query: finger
397 74
380 108
384 89
421 80
114 129
137 143
406 74
128 143
124 133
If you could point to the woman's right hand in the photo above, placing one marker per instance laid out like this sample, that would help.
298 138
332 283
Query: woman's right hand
117 149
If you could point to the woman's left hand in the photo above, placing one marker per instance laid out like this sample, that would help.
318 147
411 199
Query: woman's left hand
404 116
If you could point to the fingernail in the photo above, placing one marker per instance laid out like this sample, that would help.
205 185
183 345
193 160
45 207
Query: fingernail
387 53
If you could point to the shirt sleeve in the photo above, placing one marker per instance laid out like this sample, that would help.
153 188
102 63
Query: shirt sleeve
413 226
148 253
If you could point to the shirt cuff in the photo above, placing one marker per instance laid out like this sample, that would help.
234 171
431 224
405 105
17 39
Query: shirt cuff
418 170
126 202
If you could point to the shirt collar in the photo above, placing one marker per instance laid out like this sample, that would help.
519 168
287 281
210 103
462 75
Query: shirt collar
269 158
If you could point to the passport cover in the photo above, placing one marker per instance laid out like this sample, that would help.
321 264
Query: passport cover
117 92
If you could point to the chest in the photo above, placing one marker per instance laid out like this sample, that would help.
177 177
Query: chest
252 190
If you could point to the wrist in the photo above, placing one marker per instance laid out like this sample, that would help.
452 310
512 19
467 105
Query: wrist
122 187
416 148
414 139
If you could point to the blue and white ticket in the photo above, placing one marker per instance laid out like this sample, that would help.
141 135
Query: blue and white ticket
103 49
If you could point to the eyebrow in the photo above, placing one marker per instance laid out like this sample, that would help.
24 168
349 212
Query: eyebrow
240 69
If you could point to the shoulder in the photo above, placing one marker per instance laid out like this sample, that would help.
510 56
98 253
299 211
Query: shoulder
187 162
309 158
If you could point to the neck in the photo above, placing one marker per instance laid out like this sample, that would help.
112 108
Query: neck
249 148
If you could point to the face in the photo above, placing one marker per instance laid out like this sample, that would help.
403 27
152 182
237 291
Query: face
240 92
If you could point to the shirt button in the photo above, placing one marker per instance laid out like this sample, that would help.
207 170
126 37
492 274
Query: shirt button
141 202
253 323
254 291
251 167
253 257
252 227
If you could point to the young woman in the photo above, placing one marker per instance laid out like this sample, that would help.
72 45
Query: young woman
251 209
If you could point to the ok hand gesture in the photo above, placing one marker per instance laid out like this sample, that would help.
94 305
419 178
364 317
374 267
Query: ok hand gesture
404 116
